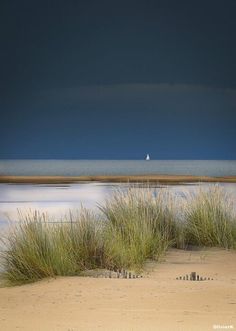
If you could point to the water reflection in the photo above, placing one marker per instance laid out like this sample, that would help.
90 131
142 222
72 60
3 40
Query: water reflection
56 200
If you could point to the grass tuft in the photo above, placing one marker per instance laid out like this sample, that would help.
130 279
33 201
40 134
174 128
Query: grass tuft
134 225
140 225
37 249
210 218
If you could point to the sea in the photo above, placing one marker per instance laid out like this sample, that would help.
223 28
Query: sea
58 199
117 167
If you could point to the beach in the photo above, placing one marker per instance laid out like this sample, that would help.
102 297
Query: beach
162 179
155 302
118 166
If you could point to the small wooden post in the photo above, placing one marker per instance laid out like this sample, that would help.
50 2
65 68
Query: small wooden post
180 278
201 278
130 275
197 277
186 277
193 275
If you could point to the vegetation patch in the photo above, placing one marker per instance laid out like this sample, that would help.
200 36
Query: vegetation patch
133 225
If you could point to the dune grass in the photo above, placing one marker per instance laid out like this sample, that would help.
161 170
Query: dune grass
37 249
133 225
139 226
210 219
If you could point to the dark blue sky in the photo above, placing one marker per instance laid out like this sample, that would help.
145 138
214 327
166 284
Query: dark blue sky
118 79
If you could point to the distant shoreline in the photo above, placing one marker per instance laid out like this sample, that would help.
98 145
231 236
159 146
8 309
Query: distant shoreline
168 179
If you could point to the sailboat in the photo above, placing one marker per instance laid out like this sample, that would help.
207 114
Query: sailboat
147 157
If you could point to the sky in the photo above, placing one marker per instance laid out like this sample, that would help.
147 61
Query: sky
84 79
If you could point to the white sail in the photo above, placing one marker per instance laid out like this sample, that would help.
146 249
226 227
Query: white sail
147 157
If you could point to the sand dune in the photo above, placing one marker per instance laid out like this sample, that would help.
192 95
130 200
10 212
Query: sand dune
156 302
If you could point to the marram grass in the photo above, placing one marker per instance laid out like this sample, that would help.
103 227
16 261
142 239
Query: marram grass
139 226
36 249
210 219
133 226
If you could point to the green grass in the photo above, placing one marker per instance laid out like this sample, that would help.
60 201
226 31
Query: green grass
37 249
210 219
139 225
133 226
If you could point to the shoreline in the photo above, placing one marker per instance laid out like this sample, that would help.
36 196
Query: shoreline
163 179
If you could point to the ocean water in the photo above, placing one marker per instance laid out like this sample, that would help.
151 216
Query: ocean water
117 167
57 200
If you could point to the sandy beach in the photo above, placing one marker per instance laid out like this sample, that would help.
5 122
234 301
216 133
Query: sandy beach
155 302
163 179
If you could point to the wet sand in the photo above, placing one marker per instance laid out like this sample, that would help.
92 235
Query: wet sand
163 179
156 302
